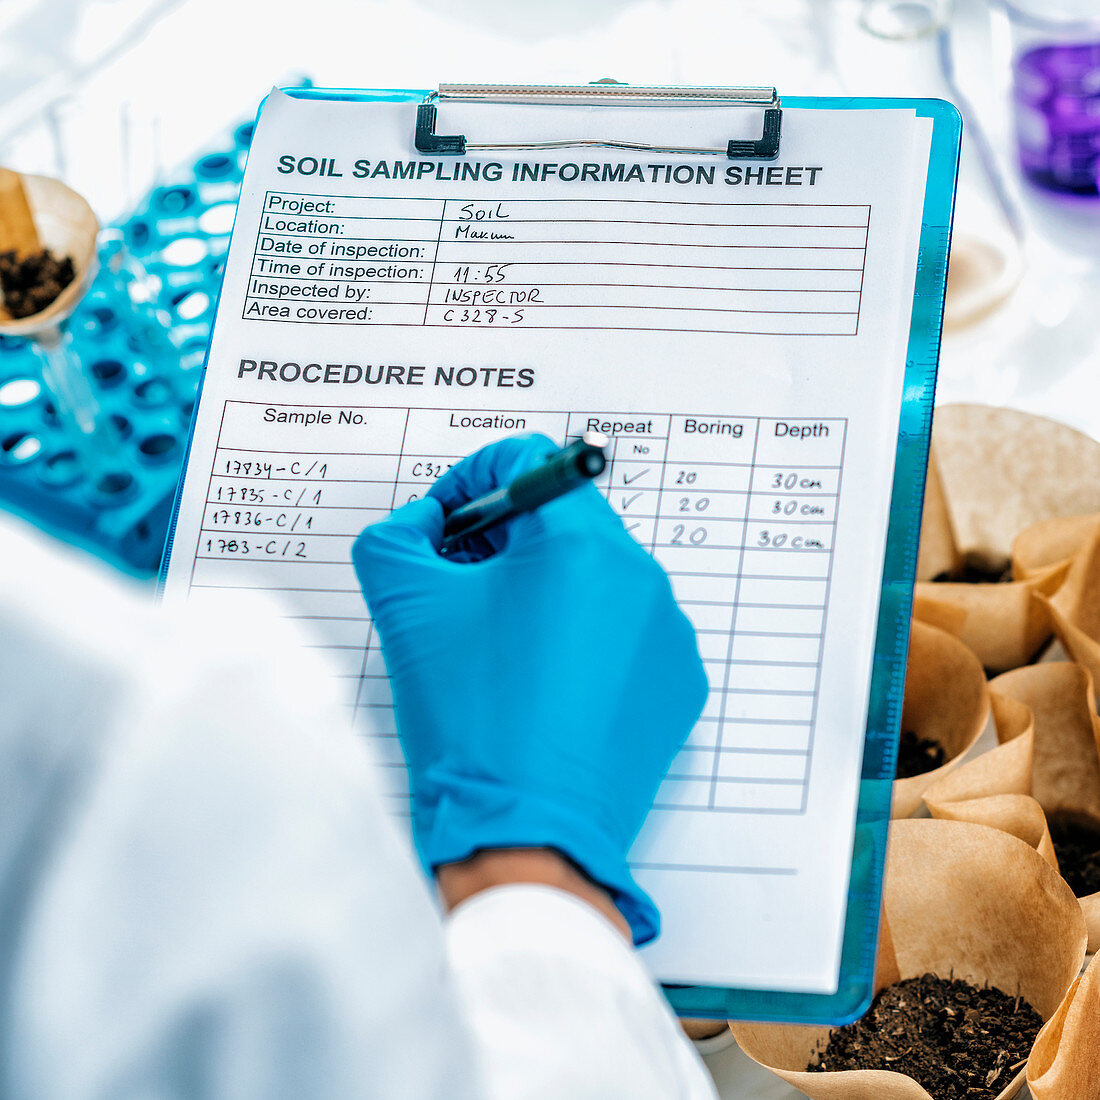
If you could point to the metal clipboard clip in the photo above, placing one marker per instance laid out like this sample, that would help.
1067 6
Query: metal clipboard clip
602 93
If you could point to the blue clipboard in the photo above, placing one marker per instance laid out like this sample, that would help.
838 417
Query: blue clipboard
860 939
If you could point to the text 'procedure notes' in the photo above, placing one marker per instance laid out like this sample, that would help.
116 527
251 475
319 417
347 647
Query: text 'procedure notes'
629 264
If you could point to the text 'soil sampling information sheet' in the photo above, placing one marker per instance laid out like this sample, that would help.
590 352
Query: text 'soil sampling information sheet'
737 329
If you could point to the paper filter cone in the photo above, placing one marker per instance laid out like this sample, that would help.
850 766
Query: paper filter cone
1017 814
697 1030
946 699
1052 542
936 612
67 226
1075 607
938 552
1049 732
1005 624
1065 1061
1003 770
1082 647
1065 771
1002 471
1090 910
997 479
1065 768
962 901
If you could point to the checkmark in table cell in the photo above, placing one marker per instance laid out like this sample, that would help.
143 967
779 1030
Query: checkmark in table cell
629 479
628 501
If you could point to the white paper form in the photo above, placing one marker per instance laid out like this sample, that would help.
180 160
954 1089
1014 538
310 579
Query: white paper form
739 330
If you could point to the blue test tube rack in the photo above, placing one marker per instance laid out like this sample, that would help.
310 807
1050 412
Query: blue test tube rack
179 236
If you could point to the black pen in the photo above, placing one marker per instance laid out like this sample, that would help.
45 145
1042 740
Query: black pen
562 472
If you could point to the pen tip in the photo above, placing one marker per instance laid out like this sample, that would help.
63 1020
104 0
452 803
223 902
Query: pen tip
592 463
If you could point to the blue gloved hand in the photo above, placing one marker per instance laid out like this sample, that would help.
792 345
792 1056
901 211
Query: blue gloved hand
540 693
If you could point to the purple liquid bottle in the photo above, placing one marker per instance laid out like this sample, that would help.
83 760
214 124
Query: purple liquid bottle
1057 103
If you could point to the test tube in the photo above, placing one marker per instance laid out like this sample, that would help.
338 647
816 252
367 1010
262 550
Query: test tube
91 432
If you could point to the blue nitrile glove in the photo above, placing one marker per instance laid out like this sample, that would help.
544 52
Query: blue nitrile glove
540 693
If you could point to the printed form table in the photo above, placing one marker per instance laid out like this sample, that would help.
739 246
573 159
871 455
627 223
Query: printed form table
740 511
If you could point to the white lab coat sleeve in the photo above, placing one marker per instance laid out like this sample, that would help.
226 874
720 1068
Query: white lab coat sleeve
202 897
562 1006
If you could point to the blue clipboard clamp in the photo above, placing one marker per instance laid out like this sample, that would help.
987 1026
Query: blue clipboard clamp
861 929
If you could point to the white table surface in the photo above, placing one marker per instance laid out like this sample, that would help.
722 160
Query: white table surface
109 93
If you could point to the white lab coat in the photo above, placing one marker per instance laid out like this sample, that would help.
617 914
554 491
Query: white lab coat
200 896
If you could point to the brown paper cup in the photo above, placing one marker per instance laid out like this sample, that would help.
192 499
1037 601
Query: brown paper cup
962 900
1002 471
1004 624
1065 1061
946 699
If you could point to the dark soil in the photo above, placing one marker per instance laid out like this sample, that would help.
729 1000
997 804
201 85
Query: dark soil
1077 846
917 755
973 574
32 283
957 1041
